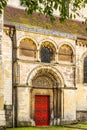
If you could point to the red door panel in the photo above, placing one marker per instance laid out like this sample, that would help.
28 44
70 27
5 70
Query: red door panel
41 110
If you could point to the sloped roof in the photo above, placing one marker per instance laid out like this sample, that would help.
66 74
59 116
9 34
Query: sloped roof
16 16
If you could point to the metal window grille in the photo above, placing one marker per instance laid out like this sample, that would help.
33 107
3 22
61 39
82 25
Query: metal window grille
45 55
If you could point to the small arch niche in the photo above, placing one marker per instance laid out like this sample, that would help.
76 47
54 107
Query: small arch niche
65 53
27 48
47 52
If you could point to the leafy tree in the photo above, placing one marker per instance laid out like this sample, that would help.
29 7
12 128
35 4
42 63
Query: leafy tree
47 7
2 5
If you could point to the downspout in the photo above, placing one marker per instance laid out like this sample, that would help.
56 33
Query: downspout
61 103
12 36
56 102
53 106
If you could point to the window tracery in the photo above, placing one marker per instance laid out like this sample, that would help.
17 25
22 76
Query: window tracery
47 52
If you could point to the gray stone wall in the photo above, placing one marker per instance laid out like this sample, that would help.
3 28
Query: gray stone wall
81 116
9 115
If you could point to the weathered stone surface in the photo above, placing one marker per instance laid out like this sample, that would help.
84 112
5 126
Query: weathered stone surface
2 112
7 65
2 118
23 113
2 128
81 116
24 69
64 79
24 123
1 101
9 115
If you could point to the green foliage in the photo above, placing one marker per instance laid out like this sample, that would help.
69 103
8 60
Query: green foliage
2 5
67 8
47 7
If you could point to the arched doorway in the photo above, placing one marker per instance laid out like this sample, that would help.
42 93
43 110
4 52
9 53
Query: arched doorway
46 97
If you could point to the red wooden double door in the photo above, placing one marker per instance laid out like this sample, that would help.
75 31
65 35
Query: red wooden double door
42 110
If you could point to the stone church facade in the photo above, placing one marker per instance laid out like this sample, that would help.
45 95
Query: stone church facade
43 70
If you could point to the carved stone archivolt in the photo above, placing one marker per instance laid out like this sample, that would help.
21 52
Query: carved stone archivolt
42 81
45 77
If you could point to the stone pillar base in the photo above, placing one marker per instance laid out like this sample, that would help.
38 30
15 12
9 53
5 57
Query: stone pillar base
8 115
2 119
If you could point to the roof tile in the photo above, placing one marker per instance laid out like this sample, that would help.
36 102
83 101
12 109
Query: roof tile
19 16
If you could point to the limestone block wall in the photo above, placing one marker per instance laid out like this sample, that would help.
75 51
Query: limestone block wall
82 103
64 68
68 75
69 104
7 60
2 118
81 52
23 106
2 112
82 98
23 68
7 74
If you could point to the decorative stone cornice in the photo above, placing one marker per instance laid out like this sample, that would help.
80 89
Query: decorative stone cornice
40 30
82 42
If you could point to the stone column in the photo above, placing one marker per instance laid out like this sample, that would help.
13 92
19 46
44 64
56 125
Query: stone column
23 106
28 89
38 55
56 57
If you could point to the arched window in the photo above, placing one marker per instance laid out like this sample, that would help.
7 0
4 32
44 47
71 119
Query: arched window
85 70
27 48
65 53
47 52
